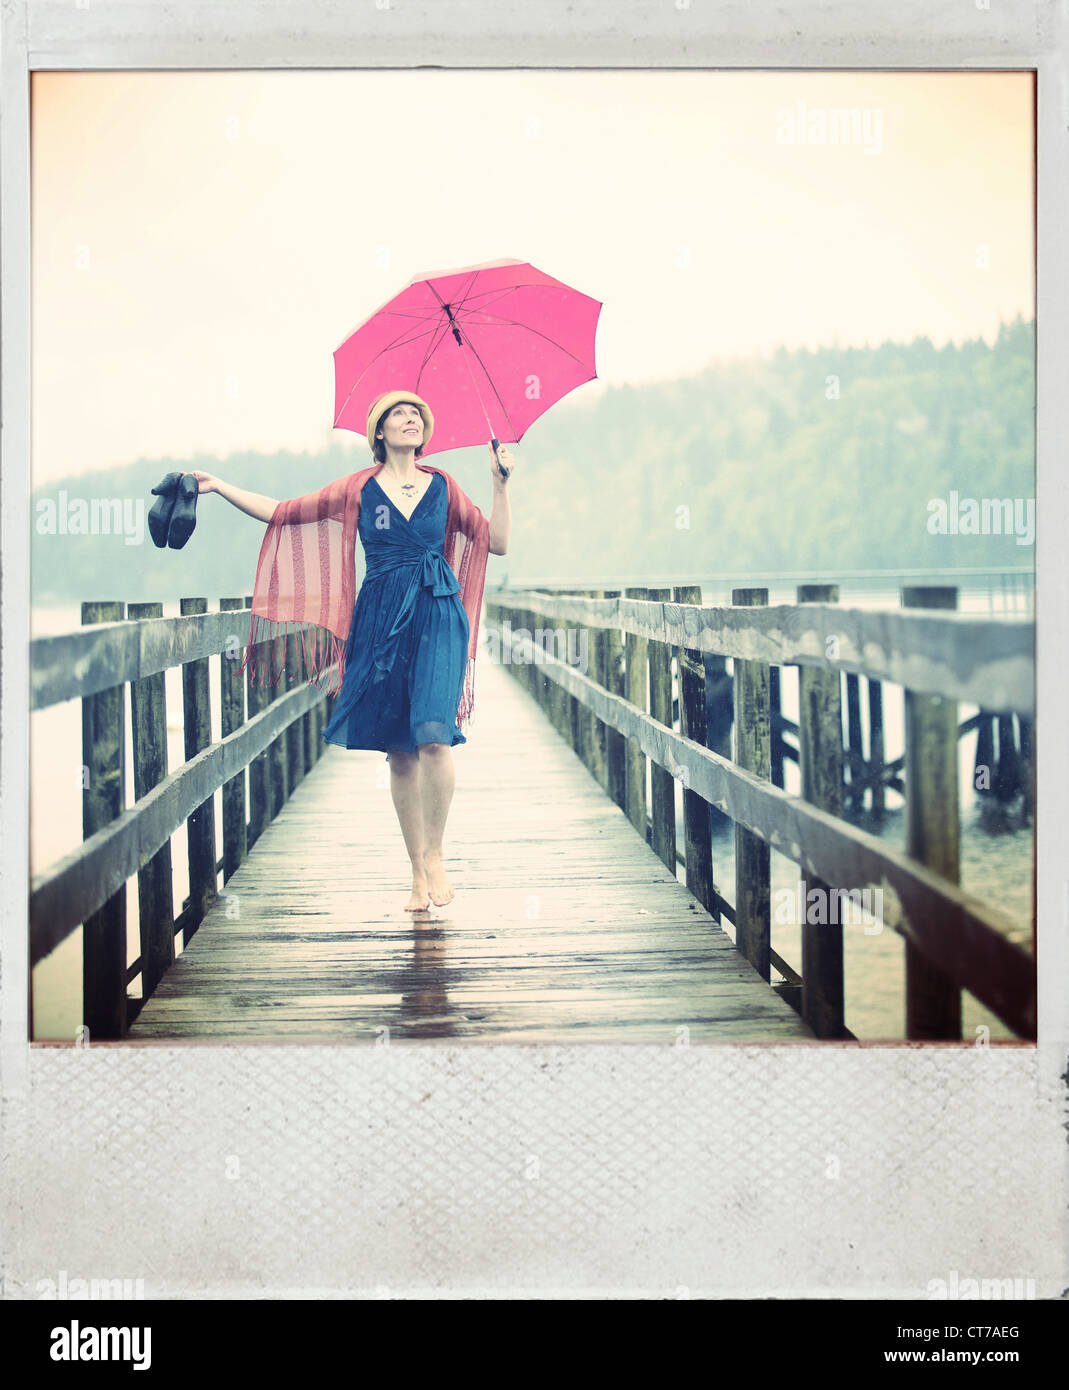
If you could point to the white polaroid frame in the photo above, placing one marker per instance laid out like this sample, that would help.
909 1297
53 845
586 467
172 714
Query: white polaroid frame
813 1170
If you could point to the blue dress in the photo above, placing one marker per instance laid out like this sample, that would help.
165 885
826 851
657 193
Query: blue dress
407 652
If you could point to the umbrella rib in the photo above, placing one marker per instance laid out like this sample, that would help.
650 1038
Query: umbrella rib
399 341
514 323
493 385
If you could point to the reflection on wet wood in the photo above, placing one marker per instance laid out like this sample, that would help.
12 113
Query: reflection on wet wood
565 928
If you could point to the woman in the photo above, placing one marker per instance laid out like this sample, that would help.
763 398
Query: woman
410 636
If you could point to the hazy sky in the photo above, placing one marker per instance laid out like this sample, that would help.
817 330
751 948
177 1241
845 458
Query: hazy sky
202 242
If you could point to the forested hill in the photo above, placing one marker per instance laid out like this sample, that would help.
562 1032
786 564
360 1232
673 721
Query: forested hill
838 459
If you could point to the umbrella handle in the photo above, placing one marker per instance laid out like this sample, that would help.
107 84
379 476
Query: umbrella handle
504 471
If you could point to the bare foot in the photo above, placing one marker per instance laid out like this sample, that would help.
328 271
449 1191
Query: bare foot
419 901
441 890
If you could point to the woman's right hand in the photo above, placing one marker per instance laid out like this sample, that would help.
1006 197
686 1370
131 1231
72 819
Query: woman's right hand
206 482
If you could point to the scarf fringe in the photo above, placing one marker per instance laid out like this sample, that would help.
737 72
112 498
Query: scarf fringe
467 697
318 652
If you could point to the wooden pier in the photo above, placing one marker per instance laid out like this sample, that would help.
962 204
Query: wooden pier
569 921
565 927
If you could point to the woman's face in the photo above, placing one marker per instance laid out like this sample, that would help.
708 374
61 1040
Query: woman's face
402 426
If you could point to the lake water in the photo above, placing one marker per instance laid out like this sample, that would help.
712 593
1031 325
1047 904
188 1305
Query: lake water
995 867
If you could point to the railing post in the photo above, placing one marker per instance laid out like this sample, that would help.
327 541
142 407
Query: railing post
775 732
752 752
662 783
259 768
820 758
155 896
876 749
636 683
103 778
933 1001
599 764
231 718
615 742
698 850
572 709
555 698
200 828
856 756
279 777
532 675
294 733
719 699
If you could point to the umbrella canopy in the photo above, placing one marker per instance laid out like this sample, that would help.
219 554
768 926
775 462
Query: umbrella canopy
490 347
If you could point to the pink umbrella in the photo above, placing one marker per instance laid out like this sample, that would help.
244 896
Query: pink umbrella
490 347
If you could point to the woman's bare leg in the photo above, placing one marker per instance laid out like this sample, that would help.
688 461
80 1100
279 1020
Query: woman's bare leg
407 800
437 782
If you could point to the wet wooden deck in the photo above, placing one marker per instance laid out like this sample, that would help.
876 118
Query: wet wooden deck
565 927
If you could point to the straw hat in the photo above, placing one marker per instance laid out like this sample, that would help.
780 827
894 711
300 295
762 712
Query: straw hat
387 402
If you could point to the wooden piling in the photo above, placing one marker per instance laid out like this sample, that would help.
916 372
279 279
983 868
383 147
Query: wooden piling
719 699
155 895
820 757
775 734
279 761
259 767
104 933
1027 769
752 752
200 828
615 742
876 747
698 852
231 718
1007 781
295 748
599 760
856 753
933 1001
636 684
662 783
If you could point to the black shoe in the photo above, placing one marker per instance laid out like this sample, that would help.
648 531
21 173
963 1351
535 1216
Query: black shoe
184 516
159 517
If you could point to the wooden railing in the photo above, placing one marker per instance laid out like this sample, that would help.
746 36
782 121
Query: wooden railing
619 713
278 741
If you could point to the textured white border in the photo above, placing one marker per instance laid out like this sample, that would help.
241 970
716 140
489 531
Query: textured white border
443 1171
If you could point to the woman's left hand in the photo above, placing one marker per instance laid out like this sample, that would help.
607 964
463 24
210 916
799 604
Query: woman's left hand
508 459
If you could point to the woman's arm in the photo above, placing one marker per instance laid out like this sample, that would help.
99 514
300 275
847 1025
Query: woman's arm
501 513
254 504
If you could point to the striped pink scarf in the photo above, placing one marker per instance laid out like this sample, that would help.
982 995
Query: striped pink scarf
306 574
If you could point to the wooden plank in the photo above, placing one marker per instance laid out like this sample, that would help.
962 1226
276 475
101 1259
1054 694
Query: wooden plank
876 747
969 938
662 782
565 927
295 744
232 716
197 734
597 756
615 743
698 860
933 999
78 663
104 931
259 766
753 917
155 893
978 659
820 755
636 693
